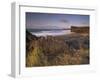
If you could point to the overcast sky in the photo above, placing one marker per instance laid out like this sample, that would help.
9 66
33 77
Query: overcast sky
55 21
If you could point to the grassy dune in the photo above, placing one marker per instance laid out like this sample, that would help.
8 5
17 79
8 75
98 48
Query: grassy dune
72 49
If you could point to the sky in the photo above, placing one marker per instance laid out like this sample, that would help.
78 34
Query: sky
55 21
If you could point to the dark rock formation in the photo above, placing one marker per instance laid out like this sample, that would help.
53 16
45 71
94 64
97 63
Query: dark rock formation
73 44
30 37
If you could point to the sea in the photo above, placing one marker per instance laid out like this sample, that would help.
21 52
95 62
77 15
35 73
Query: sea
49 32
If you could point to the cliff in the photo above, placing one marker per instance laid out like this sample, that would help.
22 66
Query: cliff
82 29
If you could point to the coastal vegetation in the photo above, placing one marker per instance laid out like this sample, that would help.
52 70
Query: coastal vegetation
70 49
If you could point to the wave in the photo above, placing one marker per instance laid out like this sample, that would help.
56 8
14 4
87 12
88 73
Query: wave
51 33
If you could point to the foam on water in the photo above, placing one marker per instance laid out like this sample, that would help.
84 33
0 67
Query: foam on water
51 33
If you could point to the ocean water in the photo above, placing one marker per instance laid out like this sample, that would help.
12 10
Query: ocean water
50 32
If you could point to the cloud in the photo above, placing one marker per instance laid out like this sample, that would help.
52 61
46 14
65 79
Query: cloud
64 21
83 23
